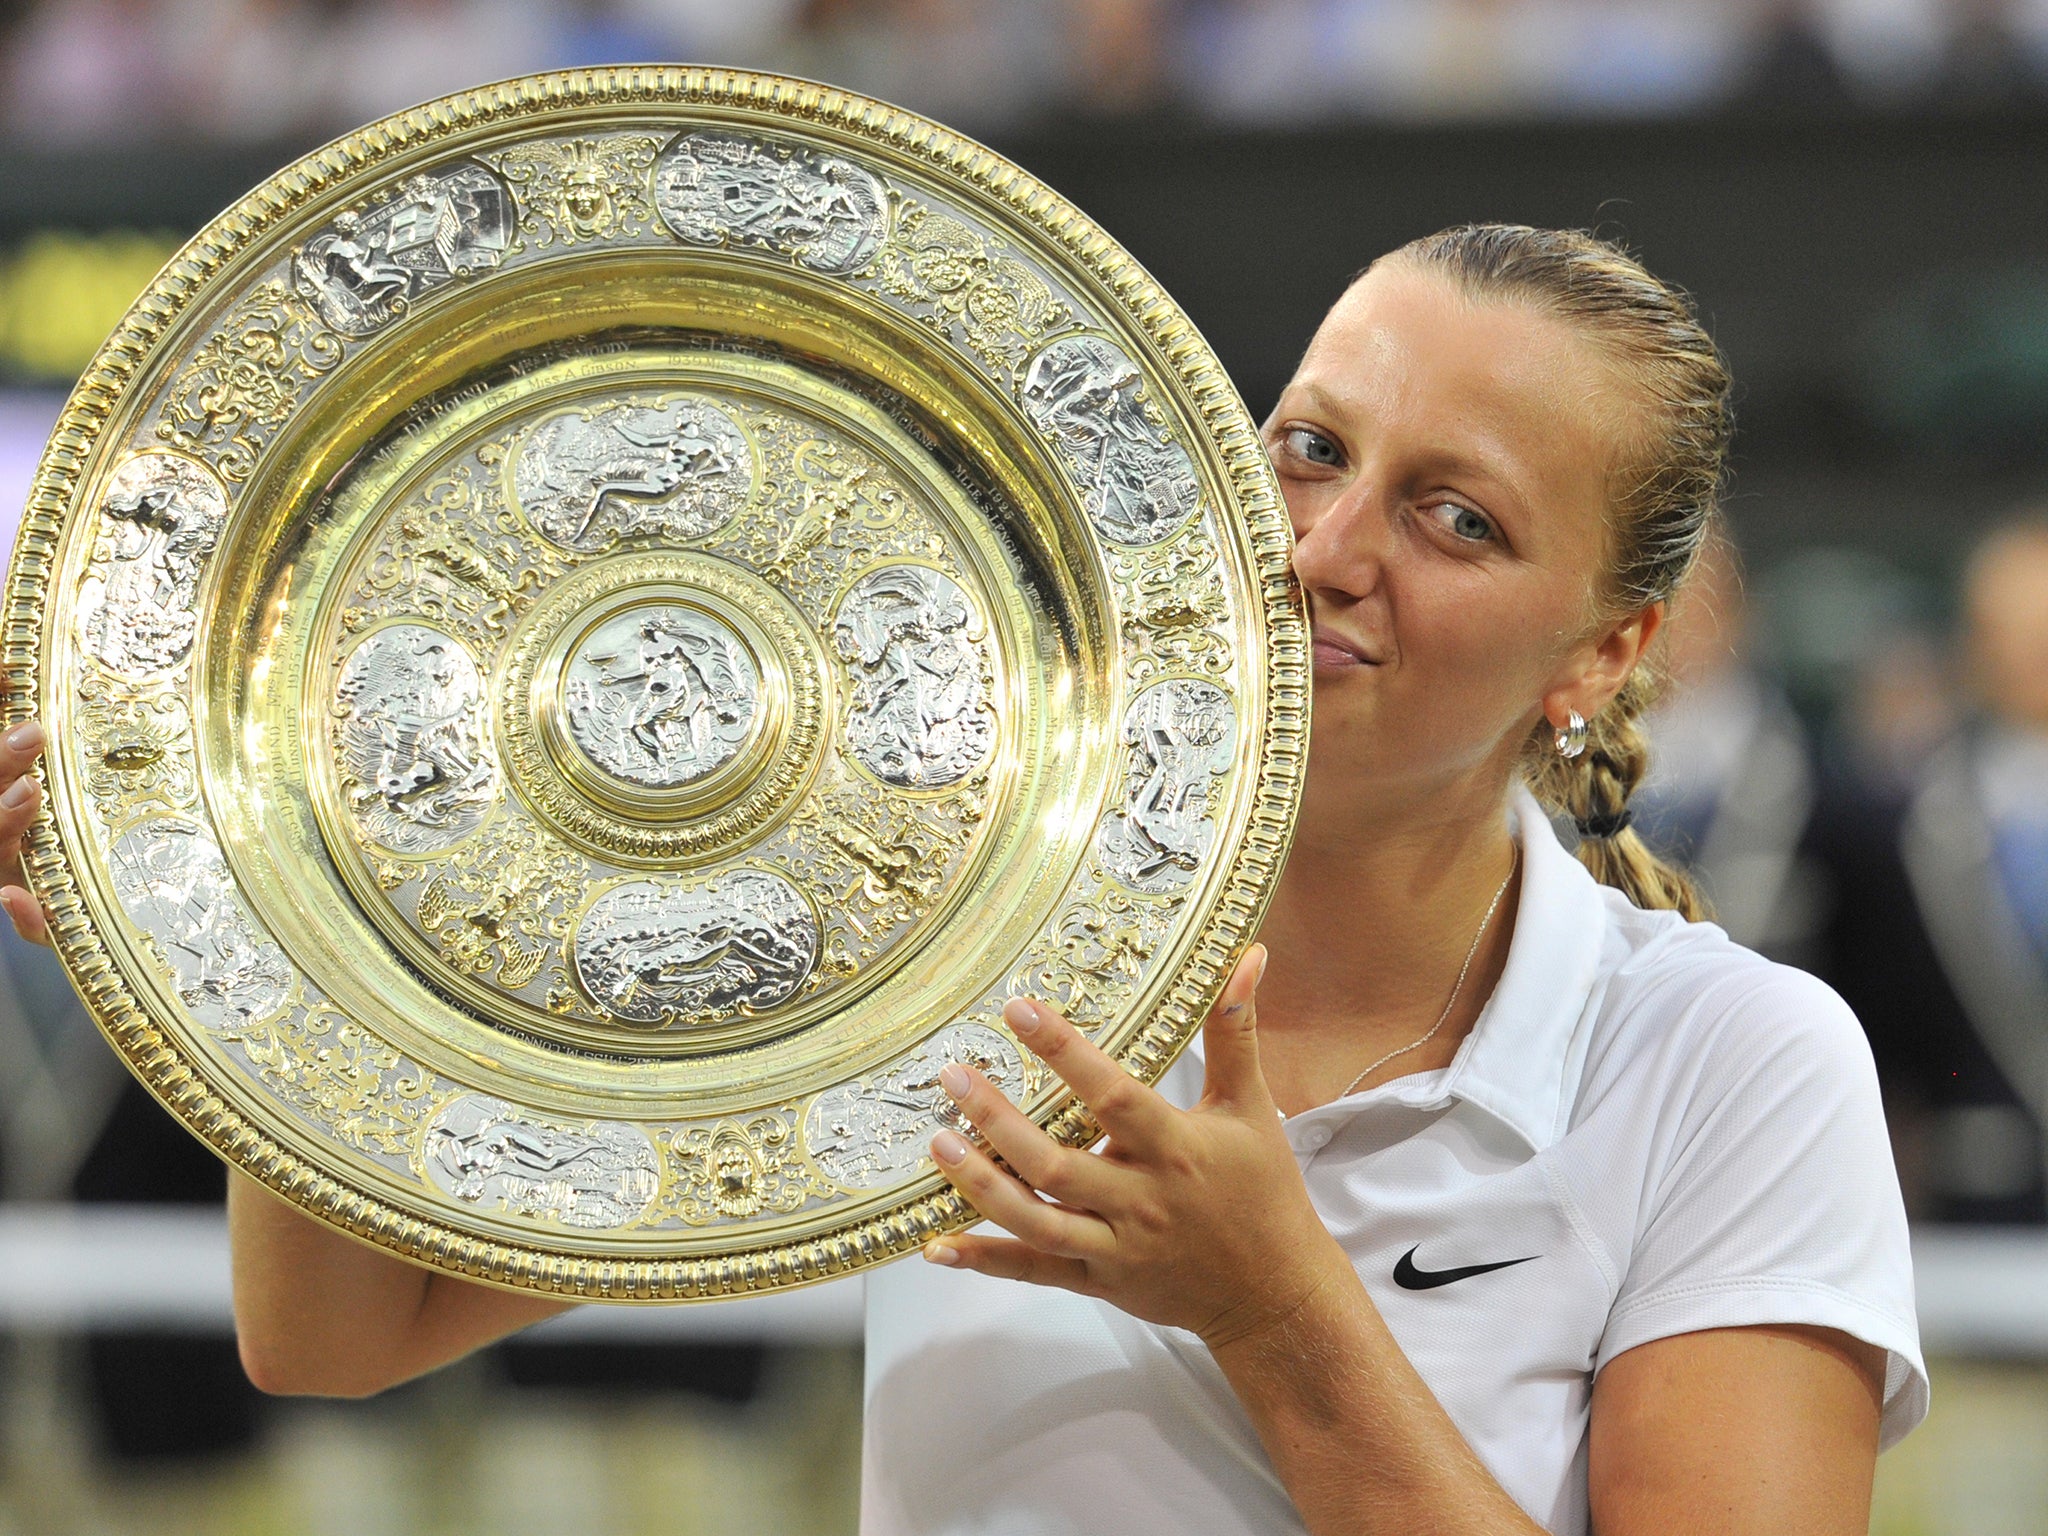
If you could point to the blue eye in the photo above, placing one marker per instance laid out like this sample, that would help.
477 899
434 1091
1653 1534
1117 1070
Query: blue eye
1312 446
1467 524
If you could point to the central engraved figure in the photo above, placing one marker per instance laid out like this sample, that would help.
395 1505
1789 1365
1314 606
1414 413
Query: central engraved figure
661 696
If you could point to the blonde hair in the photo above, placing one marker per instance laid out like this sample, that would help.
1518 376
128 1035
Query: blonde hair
1663 508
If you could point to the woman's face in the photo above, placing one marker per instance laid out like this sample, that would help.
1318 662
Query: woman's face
1446 466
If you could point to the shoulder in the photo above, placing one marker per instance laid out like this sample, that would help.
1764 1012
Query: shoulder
1684 1006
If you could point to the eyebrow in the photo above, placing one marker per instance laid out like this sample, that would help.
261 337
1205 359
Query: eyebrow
1322 400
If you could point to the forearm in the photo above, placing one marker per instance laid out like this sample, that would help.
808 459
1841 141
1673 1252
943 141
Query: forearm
317 1312
1358 1440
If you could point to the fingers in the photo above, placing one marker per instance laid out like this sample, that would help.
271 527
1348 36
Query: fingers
26 914
1132 1113
1006 1202
1069 1176
1007 1259
19 749
1231 1074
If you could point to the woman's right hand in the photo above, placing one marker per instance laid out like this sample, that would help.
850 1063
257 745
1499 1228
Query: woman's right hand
21 796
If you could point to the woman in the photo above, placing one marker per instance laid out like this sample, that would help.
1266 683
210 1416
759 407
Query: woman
1517 1202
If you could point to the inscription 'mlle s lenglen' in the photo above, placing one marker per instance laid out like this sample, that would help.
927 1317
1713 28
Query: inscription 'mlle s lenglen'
412 744
159 521
718 189
665 953
371 263
174 885
919 717
1137 484
671 467
1181 734
874 1130
483 1150
661 695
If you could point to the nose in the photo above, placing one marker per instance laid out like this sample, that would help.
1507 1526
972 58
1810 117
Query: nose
1339 539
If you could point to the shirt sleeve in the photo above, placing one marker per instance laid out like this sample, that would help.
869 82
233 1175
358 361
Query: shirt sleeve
1773 1198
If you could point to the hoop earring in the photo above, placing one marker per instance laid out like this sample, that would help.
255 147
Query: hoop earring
1571 736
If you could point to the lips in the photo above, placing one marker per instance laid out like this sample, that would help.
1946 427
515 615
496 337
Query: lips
1333 650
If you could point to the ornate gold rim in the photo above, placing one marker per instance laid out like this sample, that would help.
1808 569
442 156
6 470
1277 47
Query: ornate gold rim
1175 346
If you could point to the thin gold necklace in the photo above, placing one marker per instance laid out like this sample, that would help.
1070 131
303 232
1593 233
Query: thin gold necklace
1456 986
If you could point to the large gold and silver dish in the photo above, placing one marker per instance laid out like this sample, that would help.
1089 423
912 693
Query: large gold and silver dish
595 631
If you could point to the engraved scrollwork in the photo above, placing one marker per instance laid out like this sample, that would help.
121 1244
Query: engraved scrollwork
671 953
171 880
919 716
576 190
673 467
137 752
661 695
725 189
455 549
412 744
1181 734
159 521
1174 599
1137 483
961 279
504 907
873 1130
736 1169
834 491
596 1174
1099 950
373 263
339 1075
246 380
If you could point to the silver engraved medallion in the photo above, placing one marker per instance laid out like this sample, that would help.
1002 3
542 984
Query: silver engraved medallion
661 695
414 751
372 263
668 953
650 466
483 1151
159 521
919 717
1181 734
874 1130
718 189
175 886
1137 484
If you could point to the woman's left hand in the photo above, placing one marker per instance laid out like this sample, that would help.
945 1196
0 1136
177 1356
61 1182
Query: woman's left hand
1194 1219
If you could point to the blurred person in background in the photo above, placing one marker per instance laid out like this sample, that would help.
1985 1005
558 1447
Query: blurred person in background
1939 937
1731 788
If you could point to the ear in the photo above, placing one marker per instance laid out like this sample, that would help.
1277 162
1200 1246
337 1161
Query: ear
1597 670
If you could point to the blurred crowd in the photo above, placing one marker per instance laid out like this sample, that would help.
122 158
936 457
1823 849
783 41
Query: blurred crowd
109 71
1864 794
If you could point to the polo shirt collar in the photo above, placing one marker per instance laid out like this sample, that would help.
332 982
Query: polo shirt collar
1522 1061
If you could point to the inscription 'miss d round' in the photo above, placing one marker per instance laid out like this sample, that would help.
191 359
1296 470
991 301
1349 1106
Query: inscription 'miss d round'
661 695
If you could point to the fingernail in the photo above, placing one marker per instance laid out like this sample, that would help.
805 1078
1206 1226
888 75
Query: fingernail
25 737
949 1147
18 793
941 1253
954 1079
1021 1014
1259 975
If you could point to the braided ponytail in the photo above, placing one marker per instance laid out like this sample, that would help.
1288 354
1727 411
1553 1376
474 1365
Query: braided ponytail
1662 511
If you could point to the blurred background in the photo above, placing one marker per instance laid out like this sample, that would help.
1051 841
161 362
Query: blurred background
1855 190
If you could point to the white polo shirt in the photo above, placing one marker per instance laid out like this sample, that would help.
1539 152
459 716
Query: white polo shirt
1671 1132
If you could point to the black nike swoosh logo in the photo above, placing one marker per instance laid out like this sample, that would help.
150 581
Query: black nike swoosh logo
1409 1278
